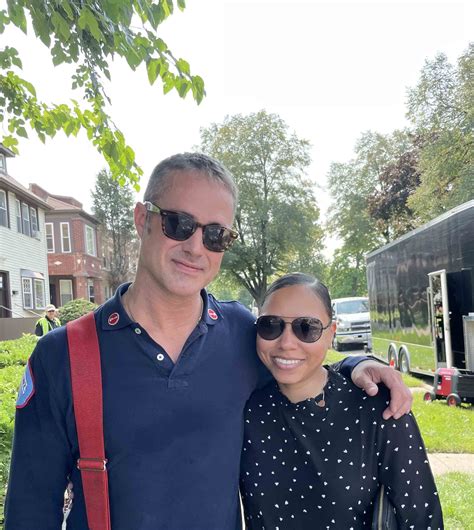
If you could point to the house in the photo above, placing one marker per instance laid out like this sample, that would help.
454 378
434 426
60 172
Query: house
24 284
74 250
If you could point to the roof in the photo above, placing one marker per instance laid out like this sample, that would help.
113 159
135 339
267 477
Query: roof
10 183
62 203
433 222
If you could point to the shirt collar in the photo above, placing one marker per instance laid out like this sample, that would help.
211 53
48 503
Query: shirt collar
114 315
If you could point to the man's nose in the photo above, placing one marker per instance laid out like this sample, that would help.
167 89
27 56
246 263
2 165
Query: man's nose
194 244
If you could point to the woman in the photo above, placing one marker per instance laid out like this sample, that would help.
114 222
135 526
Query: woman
316 450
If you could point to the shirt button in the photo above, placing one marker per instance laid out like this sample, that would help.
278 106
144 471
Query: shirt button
160 356
138 331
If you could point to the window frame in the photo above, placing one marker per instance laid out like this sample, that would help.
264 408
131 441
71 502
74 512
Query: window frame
23 292
5 209
90 230
62 224
69 282
35 231
51 236
19 219
42 303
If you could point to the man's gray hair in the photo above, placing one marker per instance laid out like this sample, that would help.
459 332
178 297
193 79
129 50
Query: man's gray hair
198 162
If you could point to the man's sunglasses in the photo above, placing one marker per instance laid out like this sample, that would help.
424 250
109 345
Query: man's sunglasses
306 329
181 226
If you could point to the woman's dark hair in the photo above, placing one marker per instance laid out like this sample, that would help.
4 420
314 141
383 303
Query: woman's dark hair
300 278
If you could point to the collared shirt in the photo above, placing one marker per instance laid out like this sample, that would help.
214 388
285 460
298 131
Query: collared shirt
173 431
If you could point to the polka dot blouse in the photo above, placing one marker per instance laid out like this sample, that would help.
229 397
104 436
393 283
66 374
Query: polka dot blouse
318 466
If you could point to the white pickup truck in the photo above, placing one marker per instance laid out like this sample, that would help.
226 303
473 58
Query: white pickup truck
352 321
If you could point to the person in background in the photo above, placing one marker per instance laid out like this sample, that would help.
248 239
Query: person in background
316 448
47 323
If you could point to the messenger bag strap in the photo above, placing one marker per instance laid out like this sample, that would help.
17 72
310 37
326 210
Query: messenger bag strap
86 381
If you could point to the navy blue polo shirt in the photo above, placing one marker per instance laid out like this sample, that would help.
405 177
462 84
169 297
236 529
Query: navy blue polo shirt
173 431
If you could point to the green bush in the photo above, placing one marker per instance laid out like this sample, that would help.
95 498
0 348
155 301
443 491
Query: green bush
10 378
17 351
75 309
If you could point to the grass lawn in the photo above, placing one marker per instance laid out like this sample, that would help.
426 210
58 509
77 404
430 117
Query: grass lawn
456 492
445 429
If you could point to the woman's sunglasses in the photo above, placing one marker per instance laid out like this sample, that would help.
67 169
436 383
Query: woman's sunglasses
306 329
181 226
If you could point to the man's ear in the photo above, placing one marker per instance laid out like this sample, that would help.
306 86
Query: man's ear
140 218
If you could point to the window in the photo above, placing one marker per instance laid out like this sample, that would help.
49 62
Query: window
39 294
65 239
49 229
26 219
3 208
90 241
90 290
65 291
34 293
27 285
34 222
18 215
3 163
25 215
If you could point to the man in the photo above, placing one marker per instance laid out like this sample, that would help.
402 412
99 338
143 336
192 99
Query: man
177 369
47 323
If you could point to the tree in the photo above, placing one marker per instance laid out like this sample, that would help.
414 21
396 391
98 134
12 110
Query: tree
277 217
353 185
388 205
88 35
441 108
75 309
113 207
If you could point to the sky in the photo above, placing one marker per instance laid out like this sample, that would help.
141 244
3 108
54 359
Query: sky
331 70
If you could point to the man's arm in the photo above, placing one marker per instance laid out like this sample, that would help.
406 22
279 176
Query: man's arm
41 457
367 373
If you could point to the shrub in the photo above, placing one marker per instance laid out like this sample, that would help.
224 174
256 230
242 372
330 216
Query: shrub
17 351
75 309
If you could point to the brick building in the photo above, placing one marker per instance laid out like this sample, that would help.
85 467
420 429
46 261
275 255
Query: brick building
74 248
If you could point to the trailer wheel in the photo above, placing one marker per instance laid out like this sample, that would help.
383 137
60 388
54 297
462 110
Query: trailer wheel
403 362
335 345
429 397
453 400
392 356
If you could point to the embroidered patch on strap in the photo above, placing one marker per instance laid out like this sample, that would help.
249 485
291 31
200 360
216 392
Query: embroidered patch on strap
27 388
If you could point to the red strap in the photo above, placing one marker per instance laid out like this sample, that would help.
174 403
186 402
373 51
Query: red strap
86 380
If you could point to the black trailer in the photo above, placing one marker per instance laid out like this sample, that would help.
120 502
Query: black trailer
421 296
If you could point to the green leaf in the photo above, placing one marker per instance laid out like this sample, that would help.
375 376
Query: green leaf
60 25
153 69
17 15
183 66
9 142
181 4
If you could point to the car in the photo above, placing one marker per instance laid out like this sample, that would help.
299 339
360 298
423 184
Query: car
352 319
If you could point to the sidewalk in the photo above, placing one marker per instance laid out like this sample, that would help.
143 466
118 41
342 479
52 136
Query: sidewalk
446 462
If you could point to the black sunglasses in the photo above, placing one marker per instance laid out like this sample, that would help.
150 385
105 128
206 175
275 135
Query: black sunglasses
306 329
181 226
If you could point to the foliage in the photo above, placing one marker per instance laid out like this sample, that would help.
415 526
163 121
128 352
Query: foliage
456 491
113 207
16 352
75 309
10 378
388 205
88 35
226 287
441 108
433 418
277 216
